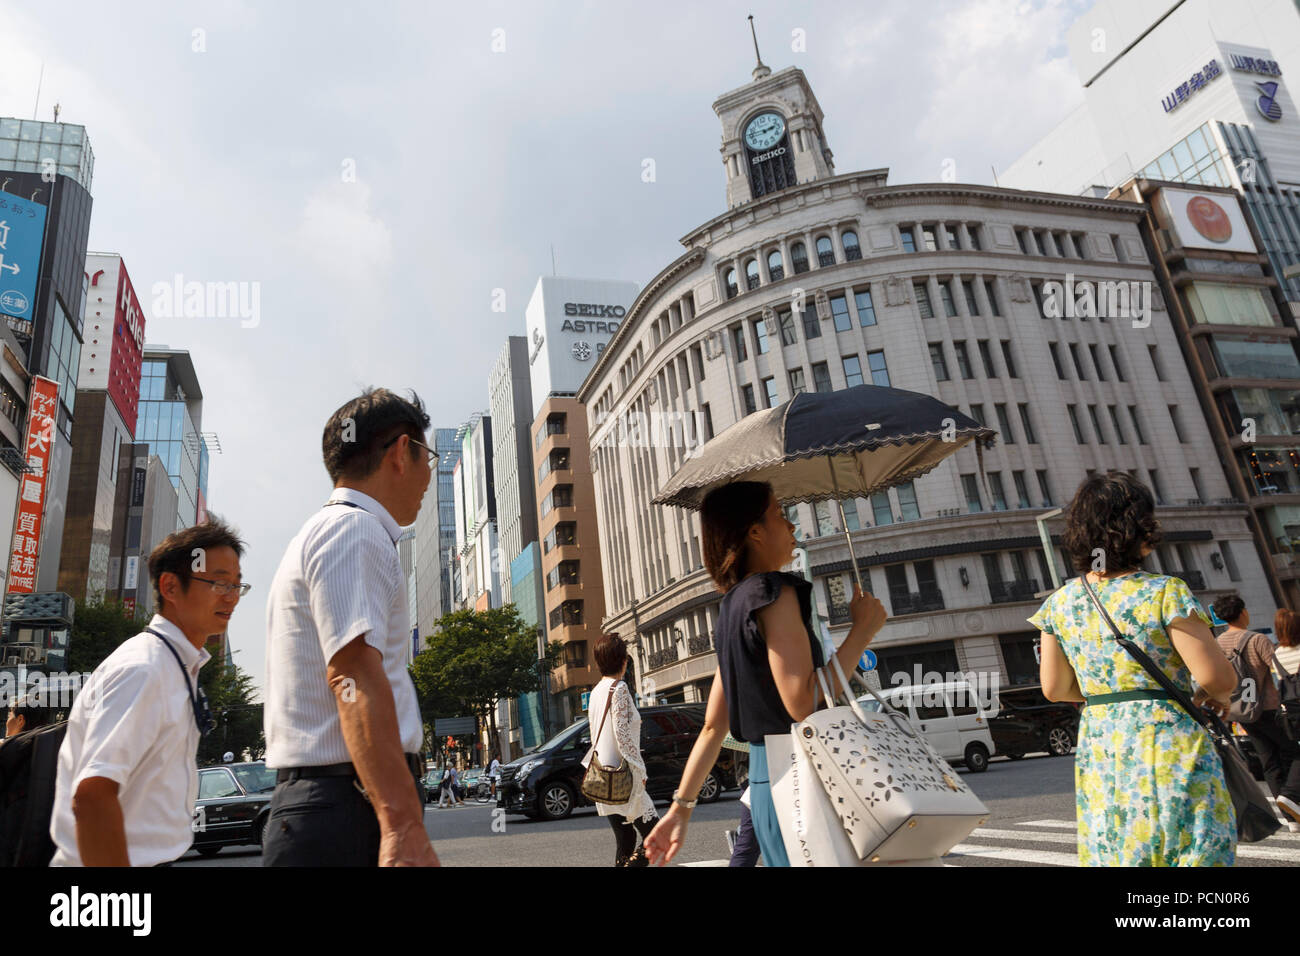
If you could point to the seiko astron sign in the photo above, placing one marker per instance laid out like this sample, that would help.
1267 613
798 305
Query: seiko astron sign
570 321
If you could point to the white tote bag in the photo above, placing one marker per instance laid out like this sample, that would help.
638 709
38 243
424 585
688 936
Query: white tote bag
853 788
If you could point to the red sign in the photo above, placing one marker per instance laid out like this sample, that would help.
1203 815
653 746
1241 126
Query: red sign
31 486
128 607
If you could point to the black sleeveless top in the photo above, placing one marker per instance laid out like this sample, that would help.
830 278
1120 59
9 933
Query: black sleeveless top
754 705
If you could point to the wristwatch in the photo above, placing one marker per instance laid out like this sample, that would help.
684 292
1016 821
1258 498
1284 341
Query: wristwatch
685 804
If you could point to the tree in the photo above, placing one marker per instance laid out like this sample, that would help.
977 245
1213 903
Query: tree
98 627
475 659
239 718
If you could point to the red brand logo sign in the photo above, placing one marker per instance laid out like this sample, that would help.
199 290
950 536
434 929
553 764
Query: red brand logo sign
31 486
131 314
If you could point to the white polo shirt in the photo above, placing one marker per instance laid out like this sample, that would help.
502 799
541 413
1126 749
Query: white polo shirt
339 579
133 722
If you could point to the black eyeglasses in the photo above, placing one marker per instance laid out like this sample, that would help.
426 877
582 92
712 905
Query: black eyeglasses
433 455
222 588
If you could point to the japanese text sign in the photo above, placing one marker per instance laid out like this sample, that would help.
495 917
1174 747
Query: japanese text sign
31 486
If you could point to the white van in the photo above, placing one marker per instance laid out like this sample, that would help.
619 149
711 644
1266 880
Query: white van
950 717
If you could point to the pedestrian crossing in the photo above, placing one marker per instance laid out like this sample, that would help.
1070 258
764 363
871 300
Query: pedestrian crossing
1054 842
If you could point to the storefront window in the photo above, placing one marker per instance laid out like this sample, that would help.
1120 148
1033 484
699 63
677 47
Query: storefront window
1214 304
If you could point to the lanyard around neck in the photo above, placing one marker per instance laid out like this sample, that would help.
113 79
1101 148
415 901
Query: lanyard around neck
198 700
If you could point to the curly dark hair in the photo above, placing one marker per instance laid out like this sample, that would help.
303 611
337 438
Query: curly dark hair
1114 513
1229 608
726 516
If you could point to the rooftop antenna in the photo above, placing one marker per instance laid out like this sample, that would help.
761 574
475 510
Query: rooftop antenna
39 81
761 70
56 112
553 259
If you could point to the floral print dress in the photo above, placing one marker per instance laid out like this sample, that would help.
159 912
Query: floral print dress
1149 785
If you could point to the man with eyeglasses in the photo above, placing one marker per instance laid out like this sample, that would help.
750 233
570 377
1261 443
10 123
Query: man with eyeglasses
343 727
127 778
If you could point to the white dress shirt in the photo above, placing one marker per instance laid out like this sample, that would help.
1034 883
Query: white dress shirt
133 722
339 579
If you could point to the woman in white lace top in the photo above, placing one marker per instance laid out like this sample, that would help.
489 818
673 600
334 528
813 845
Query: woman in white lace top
616 736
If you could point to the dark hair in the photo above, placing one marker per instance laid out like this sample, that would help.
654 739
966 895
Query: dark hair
1113 513
32 715
725 519
611 654
1228 608
1286 625
175 553
357 435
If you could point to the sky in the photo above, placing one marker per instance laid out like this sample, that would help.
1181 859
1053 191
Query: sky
380 175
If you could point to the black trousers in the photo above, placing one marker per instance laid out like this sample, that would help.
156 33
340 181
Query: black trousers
321 821
746 851
625 832
1279 754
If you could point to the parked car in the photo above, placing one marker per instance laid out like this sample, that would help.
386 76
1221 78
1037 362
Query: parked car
1027 722
949 715
234 802
547 781
469 780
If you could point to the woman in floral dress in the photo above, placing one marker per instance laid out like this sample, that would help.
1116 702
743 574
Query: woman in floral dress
1149 785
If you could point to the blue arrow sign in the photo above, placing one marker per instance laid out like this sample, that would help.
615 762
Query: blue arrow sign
22 230
586 699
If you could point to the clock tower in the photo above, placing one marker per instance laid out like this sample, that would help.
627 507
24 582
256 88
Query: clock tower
771 135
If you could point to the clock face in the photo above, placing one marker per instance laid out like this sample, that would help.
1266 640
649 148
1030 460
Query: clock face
764 131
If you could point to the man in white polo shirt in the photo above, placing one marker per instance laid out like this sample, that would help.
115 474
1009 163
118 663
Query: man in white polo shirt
127 779
343 727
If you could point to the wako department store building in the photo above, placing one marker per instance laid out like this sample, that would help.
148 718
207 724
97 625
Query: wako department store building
817 281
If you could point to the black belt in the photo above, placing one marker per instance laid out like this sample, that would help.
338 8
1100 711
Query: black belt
337 770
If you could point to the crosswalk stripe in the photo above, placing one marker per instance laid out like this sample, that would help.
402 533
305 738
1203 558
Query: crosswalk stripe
992 833
1043 857
1254 851
1053 824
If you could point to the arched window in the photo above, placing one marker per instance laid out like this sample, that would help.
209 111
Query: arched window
799 258
774 267
825 252
731 284
852 251
751 274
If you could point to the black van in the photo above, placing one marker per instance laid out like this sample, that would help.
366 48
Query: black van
547 782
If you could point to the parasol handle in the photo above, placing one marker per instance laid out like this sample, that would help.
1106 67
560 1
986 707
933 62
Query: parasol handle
857 575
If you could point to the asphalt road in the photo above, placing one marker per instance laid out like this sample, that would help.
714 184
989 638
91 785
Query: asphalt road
1032 823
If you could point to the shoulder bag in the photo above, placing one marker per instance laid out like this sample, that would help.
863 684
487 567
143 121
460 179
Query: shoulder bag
603 784
1244 706
853 788
1255 819
1288 689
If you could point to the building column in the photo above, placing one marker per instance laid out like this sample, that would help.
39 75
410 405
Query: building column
941 236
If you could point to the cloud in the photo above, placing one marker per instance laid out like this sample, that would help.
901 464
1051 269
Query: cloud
342 238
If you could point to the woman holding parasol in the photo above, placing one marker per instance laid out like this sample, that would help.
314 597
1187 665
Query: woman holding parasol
815 447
